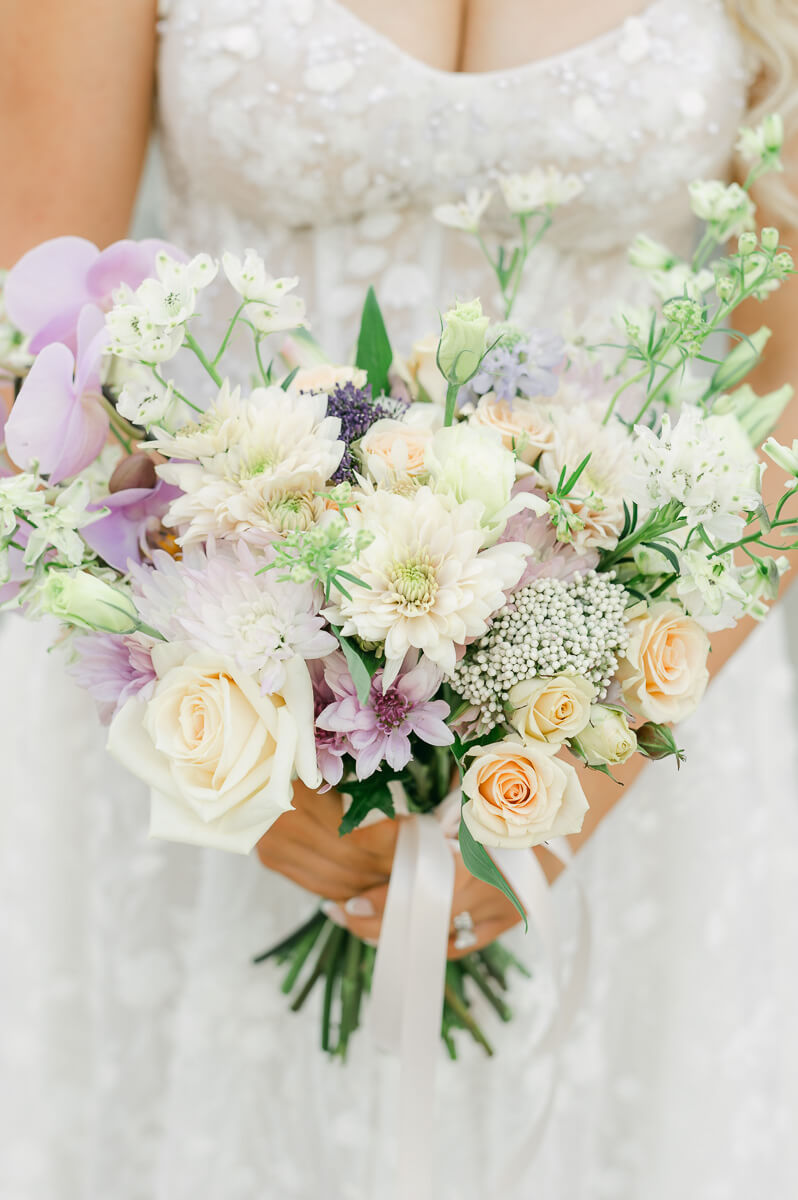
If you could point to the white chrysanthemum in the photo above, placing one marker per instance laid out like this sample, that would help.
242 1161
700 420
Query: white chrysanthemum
706 463
260 461
428 586
596 501
218 601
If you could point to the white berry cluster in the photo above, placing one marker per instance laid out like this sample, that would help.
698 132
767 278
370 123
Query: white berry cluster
548 628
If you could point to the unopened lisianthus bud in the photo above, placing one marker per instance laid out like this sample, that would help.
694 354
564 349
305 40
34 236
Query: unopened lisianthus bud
84 600
462 343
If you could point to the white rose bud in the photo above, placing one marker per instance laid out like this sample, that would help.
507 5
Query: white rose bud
472 464
462 343
607 739
550 710
84 600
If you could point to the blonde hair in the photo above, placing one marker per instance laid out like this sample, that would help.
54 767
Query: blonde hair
770 30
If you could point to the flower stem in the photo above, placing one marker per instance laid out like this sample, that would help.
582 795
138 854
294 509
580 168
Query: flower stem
194 345
452 390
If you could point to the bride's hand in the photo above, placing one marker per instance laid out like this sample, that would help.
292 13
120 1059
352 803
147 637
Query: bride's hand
354 870
492 914
304 845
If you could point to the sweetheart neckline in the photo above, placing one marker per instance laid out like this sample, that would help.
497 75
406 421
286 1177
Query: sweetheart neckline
469 77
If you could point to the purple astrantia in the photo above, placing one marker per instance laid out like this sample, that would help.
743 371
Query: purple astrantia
59 420
381 729
112 668
526 368
357 412
48 288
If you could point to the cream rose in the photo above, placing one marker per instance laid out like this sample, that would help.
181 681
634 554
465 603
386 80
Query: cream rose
325 377
551 710
664 673
607 740
422 368
392 449
519 796
523 426
219 756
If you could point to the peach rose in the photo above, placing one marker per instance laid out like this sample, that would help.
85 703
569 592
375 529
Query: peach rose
523 425
664 672
551 710
325 377
519 796
219 755
394 449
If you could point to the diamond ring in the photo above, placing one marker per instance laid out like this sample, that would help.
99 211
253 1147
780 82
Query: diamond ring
464 931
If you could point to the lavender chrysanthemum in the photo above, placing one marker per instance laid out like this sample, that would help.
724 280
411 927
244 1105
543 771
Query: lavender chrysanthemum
357 412
381 729
525 368
112 668
219 601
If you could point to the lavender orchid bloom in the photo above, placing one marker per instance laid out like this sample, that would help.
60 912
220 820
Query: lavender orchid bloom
58 419
135 512
48 288
381 729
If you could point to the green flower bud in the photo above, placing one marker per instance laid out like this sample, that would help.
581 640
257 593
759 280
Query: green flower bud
657 741
783 263
607 739
725 287
746 244
770 238
772 128
756 414
84 600
462 344
785 457
742 359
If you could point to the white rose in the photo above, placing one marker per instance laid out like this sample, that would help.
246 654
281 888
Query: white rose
664 673
519 796
551 710
607 738
219 756
468 463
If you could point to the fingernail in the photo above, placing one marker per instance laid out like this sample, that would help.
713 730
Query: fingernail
359 906
333 912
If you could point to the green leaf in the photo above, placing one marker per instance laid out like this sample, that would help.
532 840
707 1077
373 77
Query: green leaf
482 866
362 665
374 353
367 795
289 379
667 553
570 482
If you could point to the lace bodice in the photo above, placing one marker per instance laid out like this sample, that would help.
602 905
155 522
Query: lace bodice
300 130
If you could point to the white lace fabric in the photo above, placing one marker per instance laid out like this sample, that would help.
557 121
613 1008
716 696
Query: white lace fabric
142 1056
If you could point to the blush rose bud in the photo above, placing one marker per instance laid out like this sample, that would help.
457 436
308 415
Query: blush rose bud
657 741
81 599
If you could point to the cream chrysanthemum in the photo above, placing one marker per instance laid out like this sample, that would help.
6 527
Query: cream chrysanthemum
259 463
596 501
428 586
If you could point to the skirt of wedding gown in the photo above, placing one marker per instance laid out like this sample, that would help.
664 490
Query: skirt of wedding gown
142 1057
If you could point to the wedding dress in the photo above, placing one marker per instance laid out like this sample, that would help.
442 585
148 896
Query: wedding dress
142 1056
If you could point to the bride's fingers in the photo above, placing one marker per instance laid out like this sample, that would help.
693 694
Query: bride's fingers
362 914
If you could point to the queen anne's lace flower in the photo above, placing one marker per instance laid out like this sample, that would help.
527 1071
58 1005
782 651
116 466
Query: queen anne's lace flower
427 585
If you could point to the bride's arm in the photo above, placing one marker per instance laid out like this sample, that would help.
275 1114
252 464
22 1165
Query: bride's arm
75 103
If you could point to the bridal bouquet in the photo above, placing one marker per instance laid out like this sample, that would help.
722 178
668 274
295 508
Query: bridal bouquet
438 583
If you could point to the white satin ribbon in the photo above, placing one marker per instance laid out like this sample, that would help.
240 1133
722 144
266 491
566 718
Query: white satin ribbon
408 985
410 969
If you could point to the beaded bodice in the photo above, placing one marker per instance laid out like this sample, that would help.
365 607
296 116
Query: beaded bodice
299 130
